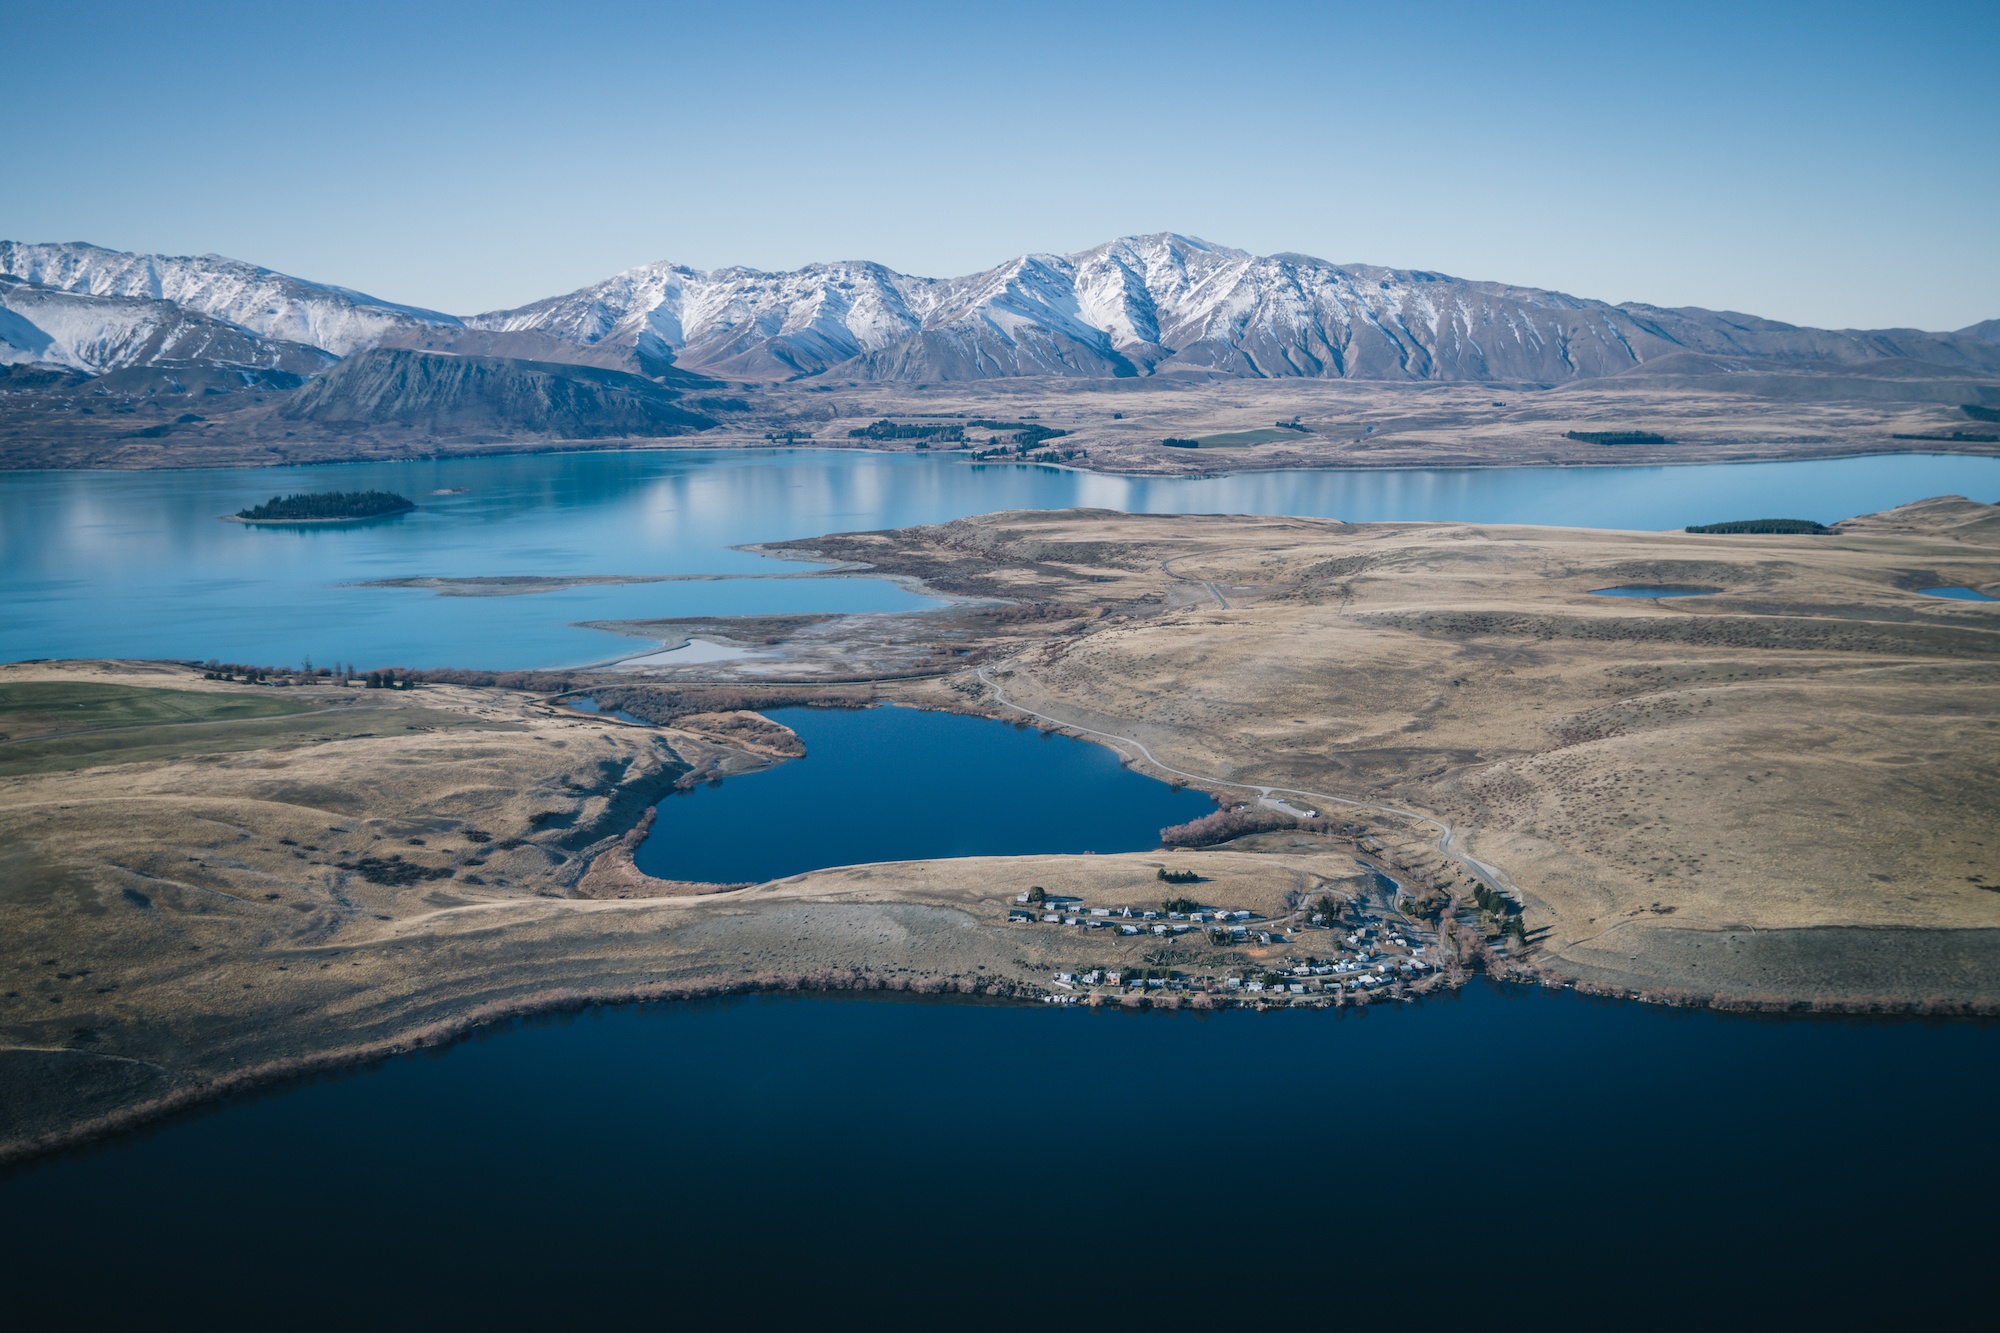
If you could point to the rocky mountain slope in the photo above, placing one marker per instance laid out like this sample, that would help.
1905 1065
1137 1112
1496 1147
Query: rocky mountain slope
473 395
270 304
99 334
1164 303
1139 306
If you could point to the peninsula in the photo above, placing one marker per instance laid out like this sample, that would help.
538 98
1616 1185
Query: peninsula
1777 793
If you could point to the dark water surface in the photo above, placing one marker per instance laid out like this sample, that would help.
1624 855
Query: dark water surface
1501 1154
1961 594
896 784
137 564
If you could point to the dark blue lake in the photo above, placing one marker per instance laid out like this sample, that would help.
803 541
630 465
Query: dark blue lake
1961 594
1500 1155
897 784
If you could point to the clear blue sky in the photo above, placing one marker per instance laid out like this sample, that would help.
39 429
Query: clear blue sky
1827 163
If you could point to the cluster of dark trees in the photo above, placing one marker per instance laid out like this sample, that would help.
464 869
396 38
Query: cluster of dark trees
1181 905
1790 525
1175 442
327 504
393 678
1616 437
1501 908
1045 456
539 682
1027 434
1326 910
886 429
1179 876
1223 825
788 436
1293 424
304 674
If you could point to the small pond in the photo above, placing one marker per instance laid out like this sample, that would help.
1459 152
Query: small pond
897 784
1961 594
586 704
1655 590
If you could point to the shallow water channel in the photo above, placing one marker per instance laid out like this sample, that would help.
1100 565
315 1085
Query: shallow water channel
897 784
1654 590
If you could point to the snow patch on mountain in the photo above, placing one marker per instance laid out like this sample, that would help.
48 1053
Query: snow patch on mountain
1158 304
267 303
96 334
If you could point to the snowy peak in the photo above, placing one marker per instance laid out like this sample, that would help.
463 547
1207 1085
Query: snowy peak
96 334
264 302
734 321
1154 304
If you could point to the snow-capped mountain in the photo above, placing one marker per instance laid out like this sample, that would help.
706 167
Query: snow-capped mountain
267 303
732 321
1142 305
1164 303
96 334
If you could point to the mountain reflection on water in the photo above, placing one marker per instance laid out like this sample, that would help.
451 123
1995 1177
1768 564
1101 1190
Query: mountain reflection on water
136 563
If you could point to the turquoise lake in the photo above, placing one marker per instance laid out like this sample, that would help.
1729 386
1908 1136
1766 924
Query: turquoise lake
138 564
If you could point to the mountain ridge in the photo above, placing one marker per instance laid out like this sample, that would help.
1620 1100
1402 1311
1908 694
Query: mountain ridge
1161 304
447 394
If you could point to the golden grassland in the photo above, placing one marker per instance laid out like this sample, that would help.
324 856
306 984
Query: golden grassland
234 883
1782 792
1697 795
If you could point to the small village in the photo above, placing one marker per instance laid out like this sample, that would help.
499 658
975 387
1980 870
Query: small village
1330 950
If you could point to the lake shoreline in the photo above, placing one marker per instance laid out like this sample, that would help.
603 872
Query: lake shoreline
310 522
558 1001
681 445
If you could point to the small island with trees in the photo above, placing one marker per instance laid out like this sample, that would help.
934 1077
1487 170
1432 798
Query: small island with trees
324 507
1801 526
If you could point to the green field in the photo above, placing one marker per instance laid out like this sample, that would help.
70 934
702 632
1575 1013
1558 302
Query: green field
49 726
48 707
